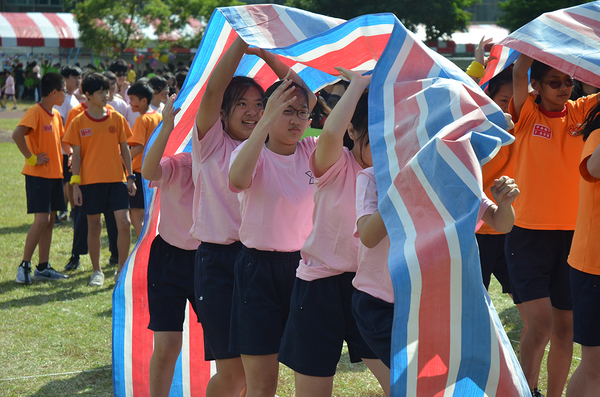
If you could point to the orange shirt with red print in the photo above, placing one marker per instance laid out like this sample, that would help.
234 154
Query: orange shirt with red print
142 129
77 110
585 249
99 140
547 152
44 136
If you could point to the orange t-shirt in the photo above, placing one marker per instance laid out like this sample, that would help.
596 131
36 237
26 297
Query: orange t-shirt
99 140
77 110
142 129
502 164
44 137
546 162
585 249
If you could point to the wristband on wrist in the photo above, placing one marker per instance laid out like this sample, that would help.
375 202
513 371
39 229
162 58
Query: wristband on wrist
32 160
289 72
476 69
75 179
132 177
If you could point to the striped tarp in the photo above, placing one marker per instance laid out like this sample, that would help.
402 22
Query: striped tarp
313 45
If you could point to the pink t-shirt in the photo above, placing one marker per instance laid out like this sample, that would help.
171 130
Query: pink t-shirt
277 207
373 275
176 197
216 210
10 86
331 248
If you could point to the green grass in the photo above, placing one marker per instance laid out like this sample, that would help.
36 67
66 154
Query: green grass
55 338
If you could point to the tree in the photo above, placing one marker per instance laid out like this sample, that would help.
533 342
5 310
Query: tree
440 17
111 26
520 12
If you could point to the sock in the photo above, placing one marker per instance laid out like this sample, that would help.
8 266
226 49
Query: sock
26 264
43 266
75 256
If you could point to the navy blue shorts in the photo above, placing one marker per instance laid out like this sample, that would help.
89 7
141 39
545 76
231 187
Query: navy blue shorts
261 300
170 285
44 195
213 283
374 318
537 265
137 201
493 260
101 197
585 289
66 171
320 320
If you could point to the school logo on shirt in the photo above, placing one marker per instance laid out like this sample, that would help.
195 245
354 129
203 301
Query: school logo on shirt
573 128
112 129
311 178
542 131
47 127
86 132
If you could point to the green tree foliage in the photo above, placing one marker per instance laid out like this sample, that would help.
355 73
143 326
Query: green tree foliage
109 26
520 12
440 17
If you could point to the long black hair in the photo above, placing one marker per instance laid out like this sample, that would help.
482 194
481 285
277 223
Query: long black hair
591 122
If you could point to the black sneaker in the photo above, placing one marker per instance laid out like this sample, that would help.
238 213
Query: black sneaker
73 264
536 393
113 261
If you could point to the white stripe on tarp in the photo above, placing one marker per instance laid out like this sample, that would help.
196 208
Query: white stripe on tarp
73 26
49 33
9 37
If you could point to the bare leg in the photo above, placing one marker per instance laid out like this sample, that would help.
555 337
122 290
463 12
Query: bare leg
229 381
262 373
381 372
137 220
124 237
167 346
46 240
585 381
94 230
561 351
313 386
539 320
524 319
40 224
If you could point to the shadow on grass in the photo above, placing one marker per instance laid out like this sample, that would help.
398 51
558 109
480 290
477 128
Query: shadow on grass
95 383
24 228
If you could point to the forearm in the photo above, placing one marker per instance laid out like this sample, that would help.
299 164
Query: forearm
502 218
593 163
136 149
126 156
22 145
76 162
242 168
151 169
371 229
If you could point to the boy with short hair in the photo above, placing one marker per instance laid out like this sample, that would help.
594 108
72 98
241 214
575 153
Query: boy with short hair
38 137
98 179
140 97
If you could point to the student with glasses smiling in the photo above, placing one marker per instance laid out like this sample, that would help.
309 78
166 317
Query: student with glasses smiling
547 157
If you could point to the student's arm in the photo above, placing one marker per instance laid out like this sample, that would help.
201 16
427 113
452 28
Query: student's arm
210 105
520 83
75 168
18 136
284 71
126 156
242 168
151 169
371 229
136 149
331 140
593 163
502 216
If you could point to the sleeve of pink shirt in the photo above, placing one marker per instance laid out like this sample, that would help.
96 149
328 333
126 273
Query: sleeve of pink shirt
485 204
173 171
366 195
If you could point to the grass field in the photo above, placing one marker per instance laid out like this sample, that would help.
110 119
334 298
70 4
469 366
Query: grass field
55 338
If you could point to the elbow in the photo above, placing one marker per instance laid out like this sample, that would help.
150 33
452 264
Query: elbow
368 242
505 228
237 182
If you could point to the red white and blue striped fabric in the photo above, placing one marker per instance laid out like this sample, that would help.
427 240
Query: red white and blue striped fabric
502 57
567 39
313 45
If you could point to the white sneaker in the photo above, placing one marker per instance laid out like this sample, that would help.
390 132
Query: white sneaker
97 279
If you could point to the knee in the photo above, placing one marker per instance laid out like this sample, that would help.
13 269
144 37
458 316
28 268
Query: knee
123 225
95 225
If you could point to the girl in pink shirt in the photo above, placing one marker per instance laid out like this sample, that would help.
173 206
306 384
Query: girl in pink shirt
275 187
171 260
229 112
9 90
373 302
320 316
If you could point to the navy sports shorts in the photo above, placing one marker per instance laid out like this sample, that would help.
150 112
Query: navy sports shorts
261 300
213 282
101 197
493 260
320 320
170 285
537 265
137 201
374 318
585 289
44 195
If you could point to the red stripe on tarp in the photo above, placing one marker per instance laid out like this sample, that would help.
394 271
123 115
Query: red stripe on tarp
65 35
590 28
27 31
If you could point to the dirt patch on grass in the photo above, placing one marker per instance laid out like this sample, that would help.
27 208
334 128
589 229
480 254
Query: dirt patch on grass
6 136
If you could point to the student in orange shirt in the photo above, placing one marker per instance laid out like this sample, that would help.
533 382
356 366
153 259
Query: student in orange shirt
140 97
585 264
547 155
98 179
38 137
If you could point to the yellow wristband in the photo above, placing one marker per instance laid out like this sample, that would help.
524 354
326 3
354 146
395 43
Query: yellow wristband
476 69
32 160
75 179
